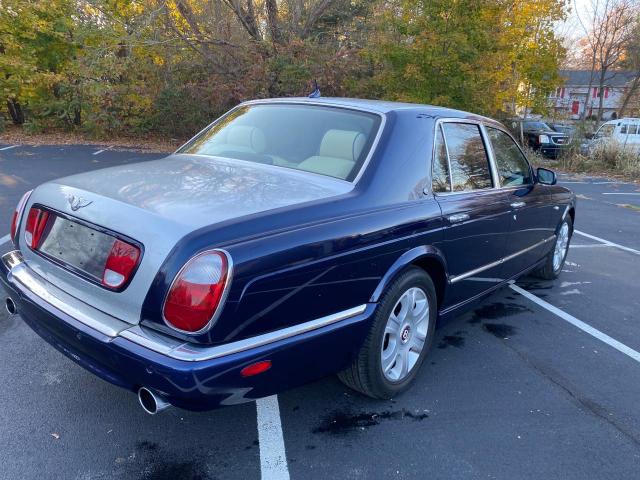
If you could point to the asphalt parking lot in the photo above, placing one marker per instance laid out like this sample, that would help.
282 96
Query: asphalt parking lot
541 381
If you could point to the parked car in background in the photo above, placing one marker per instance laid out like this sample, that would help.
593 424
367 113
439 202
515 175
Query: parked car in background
288 240
621 134
570 130
541 137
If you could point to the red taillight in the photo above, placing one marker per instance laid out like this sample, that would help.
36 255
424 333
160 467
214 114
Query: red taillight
17 213
121 262
36 224
197 292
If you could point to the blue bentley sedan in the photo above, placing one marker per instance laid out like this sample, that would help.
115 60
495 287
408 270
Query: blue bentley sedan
289 240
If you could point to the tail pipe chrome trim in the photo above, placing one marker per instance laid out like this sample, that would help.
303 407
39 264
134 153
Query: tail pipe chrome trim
151 402
11 306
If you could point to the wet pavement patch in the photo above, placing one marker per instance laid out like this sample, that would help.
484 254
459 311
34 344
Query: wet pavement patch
342 423
456 340
496 310
500 330
159 465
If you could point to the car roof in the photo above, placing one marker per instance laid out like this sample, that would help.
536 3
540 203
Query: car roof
380 106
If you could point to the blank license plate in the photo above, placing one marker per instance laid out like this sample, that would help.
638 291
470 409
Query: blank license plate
78 246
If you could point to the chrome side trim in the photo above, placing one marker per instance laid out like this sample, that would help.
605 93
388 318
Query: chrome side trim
31 283
194 353
27 281
471 273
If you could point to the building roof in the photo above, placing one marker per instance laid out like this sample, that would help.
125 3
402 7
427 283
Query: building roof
582 77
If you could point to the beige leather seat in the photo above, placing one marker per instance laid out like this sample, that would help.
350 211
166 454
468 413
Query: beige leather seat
338 153
238 138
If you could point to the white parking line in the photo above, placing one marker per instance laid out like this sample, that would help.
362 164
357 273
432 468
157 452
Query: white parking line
98 152
612 342
9 147
607 242
595 245
5 239
273 458
621 193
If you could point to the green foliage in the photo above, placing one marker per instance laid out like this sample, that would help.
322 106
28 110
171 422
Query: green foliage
480 55
170 66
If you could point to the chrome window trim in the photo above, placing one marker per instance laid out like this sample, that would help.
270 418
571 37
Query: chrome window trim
438 127
500 128
479 123
30 283
365 163
475 271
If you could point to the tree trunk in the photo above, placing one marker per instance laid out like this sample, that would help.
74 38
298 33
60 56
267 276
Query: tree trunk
272 20
15 111
603 72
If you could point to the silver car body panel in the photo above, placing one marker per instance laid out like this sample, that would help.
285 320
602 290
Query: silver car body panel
159 202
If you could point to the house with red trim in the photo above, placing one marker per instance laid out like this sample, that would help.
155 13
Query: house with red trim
572 100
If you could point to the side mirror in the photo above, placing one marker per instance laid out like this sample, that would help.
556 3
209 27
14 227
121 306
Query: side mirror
546 176
589 135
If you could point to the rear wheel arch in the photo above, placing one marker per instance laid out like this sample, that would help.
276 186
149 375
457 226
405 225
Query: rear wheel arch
428 258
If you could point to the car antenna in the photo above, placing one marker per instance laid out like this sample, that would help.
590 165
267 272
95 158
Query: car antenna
316 92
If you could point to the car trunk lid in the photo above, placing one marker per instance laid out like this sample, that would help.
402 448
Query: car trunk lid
152 204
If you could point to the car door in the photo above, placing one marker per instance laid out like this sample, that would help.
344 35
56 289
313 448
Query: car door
530 231
476 213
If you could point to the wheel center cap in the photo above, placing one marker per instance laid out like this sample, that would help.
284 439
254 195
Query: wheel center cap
405 335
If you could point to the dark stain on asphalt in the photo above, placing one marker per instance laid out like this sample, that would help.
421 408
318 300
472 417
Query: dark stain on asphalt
342 423
494 311
500 330
456 340
159 465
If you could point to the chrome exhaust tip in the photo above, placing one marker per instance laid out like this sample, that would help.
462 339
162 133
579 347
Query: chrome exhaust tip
11 307
151 402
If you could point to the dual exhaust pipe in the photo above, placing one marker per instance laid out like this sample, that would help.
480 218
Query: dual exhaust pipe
150 401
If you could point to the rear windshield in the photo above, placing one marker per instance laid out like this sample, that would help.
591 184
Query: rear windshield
325 140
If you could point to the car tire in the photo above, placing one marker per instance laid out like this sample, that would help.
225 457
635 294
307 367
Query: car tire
406 331
552 266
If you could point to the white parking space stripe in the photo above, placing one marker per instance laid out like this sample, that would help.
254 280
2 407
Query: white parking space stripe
273 458
5 239
607 242
9 147
621 193
98 152
595 245
612 342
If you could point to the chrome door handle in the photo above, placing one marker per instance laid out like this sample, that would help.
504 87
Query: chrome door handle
518 204
458 217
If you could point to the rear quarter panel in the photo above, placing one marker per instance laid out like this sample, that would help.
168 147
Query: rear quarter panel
302 263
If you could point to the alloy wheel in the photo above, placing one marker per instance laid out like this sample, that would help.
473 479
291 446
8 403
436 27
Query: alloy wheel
405 334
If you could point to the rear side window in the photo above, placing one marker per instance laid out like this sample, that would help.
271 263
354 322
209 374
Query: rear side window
440 171
513 168
467 157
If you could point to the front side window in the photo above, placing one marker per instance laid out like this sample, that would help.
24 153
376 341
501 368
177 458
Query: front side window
467 157
326 140
440 171
513 168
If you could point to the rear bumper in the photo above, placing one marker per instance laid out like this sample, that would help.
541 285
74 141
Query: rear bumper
187 376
